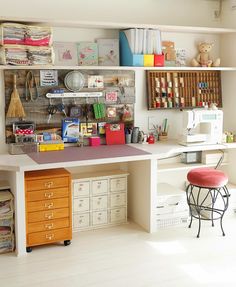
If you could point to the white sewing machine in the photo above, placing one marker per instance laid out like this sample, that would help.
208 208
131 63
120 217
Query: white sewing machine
202 127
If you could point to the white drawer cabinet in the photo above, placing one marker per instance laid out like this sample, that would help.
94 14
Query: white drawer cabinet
118 199
99 186
81 188
118 184
99 217
81 220
118 215
81 204
99 199
99 202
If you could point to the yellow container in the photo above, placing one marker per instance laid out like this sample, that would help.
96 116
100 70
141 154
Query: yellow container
51 146
148 60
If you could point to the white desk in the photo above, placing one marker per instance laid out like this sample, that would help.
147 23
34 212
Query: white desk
143 180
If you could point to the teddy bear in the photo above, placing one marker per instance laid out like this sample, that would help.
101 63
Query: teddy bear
203 59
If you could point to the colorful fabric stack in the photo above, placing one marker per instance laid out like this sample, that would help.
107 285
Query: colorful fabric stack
25 45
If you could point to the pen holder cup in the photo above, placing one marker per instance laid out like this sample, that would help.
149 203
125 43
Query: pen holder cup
163 137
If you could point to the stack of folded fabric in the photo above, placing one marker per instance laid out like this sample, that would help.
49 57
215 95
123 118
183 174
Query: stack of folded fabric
25 45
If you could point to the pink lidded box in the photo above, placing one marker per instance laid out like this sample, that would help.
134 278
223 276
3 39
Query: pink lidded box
94 141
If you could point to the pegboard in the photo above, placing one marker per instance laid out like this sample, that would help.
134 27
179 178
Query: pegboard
119 81
183 89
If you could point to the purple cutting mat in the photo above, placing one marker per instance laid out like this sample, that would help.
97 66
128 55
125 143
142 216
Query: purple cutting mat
85 153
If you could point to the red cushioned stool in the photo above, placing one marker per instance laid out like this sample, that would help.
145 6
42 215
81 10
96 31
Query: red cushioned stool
207 194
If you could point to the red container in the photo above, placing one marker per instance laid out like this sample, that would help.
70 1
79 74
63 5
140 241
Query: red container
115 134
159 60
94 141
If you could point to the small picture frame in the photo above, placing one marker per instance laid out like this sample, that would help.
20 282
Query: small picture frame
65 54
95 82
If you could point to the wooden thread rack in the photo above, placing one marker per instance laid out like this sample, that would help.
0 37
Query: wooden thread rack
183 89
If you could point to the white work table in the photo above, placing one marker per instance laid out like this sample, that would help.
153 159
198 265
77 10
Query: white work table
142 180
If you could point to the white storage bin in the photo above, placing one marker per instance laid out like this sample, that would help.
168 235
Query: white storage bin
99 217
118 215
118 199
99 202
99 186
118 184
81 220
81 204
81 188
172 219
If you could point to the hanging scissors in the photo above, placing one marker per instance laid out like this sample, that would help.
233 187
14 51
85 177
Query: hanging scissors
31 87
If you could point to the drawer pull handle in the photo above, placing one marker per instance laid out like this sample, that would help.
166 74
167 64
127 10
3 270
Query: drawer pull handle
48 194
49 226
49 236
48 205
48 184
49 215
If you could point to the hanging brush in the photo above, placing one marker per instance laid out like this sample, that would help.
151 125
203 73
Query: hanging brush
15 109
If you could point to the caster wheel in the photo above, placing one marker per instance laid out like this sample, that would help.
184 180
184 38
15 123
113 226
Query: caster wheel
67 242
28 249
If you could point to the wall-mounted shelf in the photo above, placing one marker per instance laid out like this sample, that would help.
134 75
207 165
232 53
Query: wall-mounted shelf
44 67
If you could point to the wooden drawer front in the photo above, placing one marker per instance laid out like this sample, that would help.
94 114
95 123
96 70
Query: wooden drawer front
118 215
48 225
48 215
47 194
81 188
81 220
118 184
99 217
99 186
81 204
47 183
47 204
99 202
48 236
118 199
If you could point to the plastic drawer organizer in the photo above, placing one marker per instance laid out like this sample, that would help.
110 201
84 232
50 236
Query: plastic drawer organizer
99 199
7 243
172 208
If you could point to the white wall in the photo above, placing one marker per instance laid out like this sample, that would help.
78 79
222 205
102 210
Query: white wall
228 17
170 12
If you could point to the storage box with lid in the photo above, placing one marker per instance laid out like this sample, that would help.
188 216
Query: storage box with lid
172 208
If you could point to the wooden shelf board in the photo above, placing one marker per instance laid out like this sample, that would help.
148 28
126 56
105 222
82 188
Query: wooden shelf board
46 67
115 25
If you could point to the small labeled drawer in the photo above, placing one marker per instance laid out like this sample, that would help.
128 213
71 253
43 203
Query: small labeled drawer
118 215
99 217
81 204
81 188
118 184
48 215
47 204
47 183
45 237
47 194
99 202
48 225
99 186
118 199
81 220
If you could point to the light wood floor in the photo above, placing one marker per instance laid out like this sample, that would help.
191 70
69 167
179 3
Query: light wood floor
127 256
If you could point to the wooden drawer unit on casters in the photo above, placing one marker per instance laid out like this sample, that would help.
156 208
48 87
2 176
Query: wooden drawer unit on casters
48 207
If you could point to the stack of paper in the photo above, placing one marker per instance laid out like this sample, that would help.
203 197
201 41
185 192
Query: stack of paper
144 41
